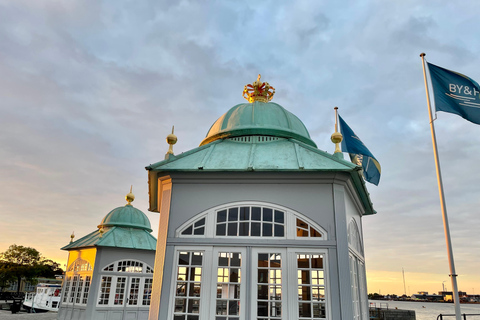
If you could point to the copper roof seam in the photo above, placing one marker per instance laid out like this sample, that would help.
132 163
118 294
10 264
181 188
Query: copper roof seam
206 157
298 156
251 156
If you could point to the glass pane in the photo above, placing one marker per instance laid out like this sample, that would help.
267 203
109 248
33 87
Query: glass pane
304 310
223 259
303 261
192 317
317 277
319 310
302 233
182 317
180 305
279 216
304 293
276 276
262 308
302 224
181 289
197 258
184 258
276 309
256 213
199 231
233 214
304 277
267 214
194 290
263 259
236 260
275 260
236 290
244 213
195 274
279 231
243 230
267 230
221 229
318 293
221 307
233 307
262 292
222 216
200 222
188 230
317 262
193 306
314 233
275 293
255 229
262 275
221 293
232 229
235 275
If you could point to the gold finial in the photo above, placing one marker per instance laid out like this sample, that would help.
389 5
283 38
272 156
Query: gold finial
72 236
171 140
258 91
336 136
130 197
101 231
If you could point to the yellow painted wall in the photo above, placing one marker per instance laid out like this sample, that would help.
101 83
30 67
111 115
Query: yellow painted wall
87 254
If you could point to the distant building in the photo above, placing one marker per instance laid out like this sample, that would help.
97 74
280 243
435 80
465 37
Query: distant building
258 223
424 296
110 271
448 295
26 286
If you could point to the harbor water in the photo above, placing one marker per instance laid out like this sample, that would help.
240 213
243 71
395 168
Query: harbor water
429 310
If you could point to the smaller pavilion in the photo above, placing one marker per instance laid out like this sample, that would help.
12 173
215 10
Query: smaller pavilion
110 271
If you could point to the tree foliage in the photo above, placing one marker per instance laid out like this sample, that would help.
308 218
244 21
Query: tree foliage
19 262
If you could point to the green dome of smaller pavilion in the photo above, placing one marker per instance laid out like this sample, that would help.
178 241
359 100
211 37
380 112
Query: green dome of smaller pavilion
258 118
126 217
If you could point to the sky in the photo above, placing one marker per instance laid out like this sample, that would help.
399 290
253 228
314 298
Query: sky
89 90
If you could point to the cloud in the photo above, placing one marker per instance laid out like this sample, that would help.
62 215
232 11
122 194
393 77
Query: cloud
89 91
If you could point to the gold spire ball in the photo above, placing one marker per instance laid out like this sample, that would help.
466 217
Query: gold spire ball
130 197
171 140
258 91
336 136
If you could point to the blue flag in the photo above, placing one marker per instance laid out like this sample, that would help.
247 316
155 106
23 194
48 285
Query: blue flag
455 93
352 144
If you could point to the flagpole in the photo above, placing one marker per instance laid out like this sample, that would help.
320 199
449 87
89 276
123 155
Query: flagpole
453 275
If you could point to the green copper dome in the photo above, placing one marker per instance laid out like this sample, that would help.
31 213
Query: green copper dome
258 118
126 217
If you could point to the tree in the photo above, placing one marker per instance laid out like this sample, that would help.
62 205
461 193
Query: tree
19 262
5 277
50 268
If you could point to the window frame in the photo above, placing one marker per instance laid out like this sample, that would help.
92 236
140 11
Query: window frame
112 270
209 280
290 226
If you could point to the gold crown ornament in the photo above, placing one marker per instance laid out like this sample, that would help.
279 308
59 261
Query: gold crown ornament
258 91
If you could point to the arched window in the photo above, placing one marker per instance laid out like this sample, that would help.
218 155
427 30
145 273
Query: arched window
354 239
77 282
80 265
130 281
251 219
132 266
